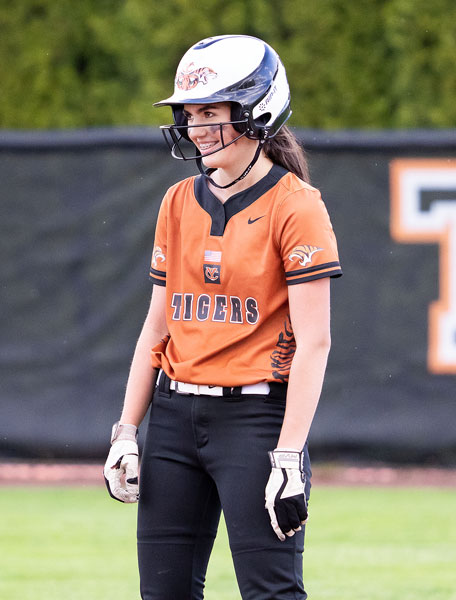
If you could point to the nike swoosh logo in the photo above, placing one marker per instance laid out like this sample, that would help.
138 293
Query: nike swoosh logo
250 221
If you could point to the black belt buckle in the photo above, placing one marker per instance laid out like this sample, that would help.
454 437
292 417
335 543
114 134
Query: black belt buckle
232 392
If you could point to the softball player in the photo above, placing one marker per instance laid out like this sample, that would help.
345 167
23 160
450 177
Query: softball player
235 343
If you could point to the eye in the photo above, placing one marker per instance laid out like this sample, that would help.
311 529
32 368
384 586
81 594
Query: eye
209 114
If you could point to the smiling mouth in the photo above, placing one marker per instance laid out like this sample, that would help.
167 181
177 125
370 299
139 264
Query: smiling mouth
207 147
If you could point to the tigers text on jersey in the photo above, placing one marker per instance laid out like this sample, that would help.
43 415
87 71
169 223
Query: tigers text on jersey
226 268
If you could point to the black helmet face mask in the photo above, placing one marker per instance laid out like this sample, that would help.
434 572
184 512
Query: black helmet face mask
178 139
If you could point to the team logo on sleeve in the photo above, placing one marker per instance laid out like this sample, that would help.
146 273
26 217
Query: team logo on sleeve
190 77
157 254
303 254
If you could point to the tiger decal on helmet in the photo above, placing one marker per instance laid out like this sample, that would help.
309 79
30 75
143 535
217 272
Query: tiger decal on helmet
190 77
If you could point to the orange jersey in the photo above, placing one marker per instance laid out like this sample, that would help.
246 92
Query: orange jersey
227 267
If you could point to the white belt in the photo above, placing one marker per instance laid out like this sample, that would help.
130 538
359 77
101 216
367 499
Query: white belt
261 388
216 390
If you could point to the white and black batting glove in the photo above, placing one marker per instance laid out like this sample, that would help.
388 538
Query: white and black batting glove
285 497
121 467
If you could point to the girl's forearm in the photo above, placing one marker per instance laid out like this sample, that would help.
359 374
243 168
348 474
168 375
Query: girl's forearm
304 389
141 380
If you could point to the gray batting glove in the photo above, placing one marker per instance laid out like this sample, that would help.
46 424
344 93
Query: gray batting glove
121 467
285 498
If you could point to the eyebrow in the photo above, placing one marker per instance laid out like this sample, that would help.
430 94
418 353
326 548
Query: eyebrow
205 107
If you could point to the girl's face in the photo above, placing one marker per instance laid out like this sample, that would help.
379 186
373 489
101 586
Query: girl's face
208 138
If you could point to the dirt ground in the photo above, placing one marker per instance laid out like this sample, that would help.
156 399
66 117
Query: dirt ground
23 473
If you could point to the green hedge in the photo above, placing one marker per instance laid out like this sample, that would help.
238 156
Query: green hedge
359 64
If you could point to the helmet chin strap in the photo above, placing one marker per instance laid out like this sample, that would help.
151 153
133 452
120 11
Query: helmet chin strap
208 172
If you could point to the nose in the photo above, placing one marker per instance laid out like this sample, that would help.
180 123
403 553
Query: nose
197 132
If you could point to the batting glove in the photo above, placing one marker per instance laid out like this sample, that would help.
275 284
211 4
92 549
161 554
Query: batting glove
285 498
121 467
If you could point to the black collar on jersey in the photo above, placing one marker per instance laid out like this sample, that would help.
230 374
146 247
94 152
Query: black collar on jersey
221 213
208 172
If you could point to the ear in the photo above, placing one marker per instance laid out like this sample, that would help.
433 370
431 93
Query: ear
237 114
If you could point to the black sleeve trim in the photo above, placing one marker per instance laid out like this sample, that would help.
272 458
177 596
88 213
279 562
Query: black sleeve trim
156 281
158 273
332 274
311 269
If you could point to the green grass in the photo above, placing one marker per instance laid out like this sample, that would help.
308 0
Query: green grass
362 544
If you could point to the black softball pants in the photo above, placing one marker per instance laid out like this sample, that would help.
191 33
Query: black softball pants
203 454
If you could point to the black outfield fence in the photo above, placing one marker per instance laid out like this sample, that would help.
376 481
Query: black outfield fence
77 218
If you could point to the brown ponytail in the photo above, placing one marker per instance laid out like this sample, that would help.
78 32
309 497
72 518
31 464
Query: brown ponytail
285 150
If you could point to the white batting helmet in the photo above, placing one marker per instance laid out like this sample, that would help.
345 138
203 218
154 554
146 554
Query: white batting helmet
239 69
